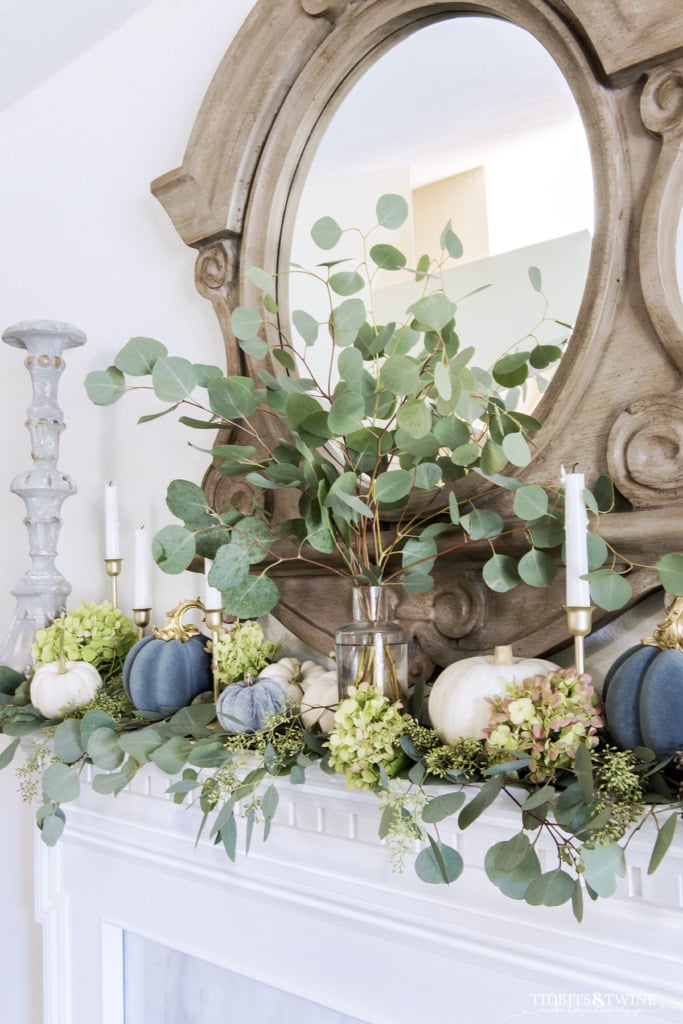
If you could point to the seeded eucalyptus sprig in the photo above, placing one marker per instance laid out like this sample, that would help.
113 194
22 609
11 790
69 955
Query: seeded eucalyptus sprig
370 447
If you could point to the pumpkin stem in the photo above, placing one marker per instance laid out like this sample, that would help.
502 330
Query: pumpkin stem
175 628
503 655
669 634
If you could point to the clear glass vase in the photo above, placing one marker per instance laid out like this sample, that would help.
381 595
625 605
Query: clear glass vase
373 649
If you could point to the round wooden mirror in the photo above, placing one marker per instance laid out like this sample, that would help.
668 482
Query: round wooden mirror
616 393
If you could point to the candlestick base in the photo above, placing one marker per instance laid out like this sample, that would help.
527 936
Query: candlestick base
141 619
213 618
579 623
113 570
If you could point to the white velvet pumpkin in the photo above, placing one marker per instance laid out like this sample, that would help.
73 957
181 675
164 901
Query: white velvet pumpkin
296 676
319 702
457 704
57 686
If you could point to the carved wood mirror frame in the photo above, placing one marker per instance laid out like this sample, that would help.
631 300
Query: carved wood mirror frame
615 404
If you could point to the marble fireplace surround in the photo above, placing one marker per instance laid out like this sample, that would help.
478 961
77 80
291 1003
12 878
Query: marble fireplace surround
317 912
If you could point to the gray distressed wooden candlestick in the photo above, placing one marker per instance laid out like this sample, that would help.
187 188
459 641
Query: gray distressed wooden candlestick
41 593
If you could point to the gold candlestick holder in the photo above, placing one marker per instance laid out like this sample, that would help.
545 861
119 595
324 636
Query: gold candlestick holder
141 619
579 622
114 571
213 618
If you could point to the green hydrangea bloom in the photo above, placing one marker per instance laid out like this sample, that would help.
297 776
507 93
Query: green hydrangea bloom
243 651
97 633
366 736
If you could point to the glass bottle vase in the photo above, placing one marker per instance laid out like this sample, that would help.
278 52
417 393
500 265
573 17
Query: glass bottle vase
372 649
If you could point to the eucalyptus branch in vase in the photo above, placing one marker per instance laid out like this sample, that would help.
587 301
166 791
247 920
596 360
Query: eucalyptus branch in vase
370 449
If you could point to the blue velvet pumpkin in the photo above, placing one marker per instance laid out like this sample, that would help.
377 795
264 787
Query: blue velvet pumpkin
159 675
643 695
244 706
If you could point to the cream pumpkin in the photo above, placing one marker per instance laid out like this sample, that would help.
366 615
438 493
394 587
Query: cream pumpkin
58 685
296 676
457 704
319 702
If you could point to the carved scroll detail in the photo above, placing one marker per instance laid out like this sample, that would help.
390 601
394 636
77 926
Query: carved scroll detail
661 105
438 620
322 8
216 267
645 451
661 110
458 608
222 491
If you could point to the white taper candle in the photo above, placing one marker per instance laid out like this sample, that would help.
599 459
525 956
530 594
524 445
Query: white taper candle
143 562
213 598
112 547
576 540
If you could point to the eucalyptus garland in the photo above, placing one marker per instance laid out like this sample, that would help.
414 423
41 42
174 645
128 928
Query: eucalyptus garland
590 805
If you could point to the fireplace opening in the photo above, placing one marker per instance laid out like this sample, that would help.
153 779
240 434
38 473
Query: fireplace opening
165 986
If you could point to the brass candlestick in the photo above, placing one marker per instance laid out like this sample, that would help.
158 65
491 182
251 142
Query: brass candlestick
114 571
213 617
141 619
579 621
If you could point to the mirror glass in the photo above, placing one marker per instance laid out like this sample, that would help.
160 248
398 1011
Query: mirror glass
507 164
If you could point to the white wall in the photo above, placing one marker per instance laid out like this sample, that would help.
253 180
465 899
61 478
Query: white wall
83 240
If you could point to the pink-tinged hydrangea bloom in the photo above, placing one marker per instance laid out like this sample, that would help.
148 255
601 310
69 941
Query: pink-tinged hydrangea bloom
545 718
522 711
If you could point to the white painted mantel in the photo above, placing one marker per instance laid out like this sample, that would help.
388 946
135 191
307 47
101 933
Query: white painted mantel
316 911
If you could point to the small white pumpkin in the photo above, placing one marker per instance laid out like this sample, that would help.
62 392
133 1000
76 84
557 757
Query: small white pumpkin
296 676
319 702
61 684
457 704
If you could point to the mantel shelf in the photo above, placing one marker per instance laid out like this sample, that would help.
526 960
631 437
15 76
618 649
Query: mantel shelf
324 879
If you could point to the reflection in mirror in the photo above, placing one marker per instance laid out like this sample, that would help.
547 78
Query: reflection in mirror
508 167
